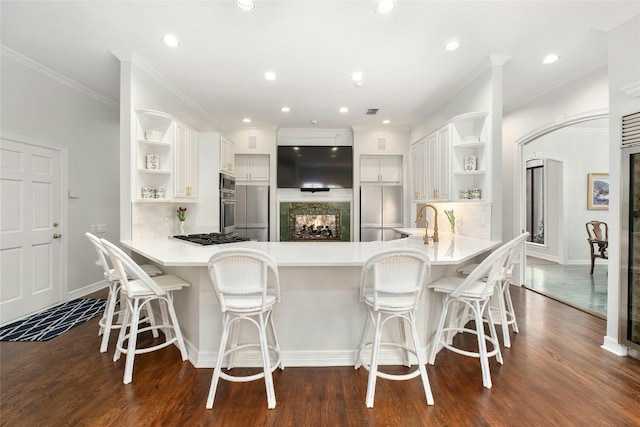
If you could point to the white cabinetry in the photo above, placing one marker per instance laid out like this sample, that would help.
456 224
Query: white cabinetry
252 167
160 137
470 137
381 169
185 181
227 156
431 167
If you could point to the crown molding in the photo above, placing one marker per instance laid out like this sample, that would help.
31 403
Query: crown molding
48 72
541 91
619 18
134 58
632 89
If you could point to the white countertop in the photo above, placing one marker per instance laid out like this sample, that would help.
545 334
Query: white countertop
451 250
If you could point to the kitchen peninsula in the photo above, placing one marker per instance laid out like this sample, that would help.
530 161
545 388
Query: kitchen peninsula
320 318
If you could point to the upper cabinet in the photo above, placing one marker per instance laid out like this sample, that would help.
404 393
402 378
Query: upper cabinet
381 169
165 165
252 168
471 145
227 156
185 181
431 167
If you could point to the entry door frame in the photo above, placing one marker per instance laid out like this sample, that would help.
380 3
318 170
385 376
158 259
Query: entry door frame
63 152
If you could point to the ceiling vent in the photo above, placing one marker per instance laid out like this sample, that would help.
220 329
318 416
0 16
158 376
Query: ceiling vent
372 111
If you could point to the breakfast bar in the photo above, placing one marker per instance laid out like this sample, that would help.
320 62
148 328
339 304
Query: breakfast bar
320 318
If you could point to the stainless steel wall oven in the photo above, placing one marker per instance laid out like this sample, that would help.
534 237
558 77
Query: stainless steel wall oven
227 204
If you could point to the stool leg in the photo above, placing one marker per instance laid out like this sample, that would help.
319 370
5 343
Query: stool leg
362 340
373 367
268 378
421 362
510 311
494 334
152 319
235 332
438 337
165 319
126 318
176 329
482 345
503 314
131 348
276 344
403 340
108 317
216 371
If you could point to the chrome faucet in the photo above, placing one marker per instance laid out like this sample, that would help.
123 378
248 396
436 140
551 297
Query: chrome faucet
426 227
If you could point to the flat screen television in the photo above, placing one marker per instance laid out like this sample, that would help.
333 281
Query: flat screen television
315 167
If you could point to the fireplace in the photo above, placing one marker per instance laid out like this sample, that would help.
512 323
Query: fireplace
315 221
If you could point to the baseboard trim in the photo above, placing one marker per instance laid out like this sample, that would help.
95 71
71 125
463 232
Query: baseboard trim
89 289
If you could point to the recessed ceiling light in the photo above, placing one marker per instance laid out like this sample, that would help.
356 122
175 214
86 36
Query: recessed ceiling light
344 109
357 76
269 75
314 122
452 45
550 59
171 40
384 7
285 109
246 120
386 121
246 5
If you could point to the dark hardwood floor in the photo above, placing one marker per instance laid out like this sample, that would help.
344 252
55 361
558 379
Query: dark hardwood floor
555 374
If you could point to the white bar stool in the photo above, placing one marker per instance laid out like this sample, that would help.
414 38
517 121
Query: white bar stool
473 292
137 294
247 285
391 285
106 323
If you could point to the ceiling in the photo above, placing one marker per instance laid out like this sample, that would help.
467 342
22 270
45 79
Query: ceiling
314 47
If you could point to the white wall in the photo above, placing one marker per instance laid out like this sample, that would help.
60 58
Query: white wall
588 93
265 143
475 97
36 105
380 142
624 69
582 149
143 88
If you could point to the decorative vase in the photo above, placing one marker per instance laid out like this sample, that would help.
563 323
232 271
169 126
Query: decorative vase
182 227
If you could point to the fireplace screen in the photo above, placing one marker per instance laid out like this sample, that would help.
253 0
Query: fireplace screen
314 221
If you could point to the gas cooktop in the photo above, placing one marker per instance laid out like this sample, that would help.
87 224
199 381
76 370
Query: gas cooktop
206 239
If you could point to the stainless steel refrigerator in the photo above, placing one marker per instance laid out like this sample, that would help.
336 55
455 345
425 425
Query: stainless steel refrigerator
380 212
252 212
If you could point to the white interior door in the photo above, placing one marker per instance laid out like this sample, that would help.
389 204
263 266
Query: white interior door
30 246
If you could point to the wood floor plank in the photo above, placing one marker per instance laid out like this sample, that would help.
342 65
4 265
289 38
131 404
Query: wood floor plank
554 374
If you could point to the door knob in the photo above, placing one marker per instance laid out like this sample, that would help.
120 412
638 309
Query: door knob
57 235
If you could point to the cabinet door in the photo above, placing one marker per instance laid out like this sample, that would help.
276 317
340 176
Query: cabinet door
242 167
181 153
369 169
227 154
259 168
185 164
433 161
419 170
391 169
443 174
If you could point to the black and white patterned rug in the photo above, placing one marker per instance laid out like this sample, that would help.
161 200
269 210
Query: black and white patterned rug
54 321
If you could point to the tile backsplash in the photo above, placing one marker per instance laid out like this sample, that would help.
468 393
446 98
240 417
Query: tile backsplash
148 220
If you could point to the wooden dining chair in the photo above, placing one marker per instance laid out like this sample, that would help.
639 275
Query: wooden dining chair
598 238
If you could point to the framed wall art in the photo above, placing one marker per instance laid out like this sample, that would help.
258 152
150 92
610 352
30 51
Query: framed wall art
598 191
